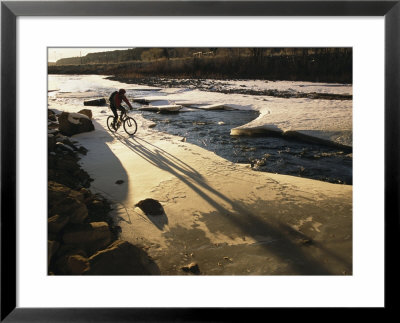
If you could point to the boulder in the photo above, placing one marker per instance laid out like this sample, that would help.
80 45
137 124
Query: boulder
97 102
51 162
98 210
76 264
87 233
57 192
51 142
62 264
122 258
65 169
71 207
61 138
82 150
96 206
64 148
52 126
65 140
73 123
52 236
67 164
57 222
150 207
87 113
52 247
51 115
87 194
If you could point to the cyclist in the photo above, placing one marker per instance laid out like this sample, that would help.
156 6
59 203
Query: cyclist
115 104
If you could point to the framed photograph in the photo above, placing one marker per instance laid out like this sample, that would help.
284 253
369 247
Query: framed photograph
197 158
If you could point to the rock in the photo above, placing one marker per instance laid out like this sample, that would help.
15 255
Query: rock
69 163
120 181
51 162
65 169
57 192
87 113
65 140
88 236
52 236
61 138
82 150
77 264
51 115
74 209
74 123
87 195
97 210
192 268
51 142
150 207
57 222
52 247
122 258
62 264
62 147
97 102
96 205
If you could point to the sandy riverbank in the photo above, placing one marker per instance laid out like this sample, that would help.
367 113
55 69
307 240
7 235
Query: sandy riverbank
222 216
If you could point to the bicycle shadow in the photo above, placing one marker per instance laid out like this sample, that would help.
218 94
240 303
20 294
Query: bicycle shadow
233 212
248 220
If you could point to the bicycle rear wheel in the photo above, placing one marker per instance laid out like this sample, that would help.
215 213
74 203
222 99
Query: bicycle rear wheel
130 126
110 120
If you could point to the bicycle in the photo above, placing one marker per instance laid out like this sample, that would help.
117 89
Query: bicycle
129 124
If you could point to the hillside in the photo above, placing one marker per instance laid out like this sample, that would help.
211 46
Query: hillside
297 64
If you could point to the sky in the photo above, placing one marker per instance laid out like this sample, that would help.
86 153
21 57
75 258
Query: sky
64 52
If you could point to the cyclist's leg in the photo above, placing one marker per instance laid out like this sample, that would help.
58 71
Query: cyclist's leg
122 112
114 111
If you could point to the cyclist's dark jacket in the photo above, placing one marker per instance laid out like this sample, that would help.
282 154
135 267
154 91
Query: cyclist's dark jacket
117 99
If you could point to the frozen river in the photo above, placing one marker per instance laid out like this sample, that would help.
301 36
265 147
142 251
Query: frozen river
329 121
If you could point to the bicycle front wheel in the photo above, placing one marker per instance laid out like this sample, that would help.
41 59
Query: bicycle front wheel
110 120
130 126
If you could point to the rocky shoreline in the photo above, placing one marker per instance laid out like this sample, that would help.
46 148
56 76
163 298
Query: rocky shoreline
217 86
82 236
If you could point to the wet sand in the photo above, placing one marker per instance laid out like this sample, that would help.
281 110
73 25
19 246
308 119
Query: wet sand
224 217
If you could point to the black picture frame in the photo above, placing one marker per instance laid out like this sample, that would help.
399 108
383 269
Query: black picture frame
10 10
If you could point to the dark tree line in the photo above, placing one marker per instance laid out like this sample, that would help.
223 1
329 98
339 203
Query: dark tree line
149 54
302 64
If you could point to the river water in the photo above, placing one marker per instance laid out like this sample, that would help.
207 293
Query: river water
210 129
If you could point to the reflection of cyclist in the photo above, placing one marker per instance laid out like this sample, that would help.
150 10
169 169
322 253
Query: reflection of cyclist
115 104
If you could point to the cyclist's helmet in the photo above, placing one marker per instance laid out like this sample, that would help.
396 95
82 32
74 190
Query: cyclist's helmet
122 91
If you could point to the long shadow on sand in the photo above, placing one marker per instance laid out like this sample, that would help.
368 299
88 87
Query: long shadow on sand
106 167
249 223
